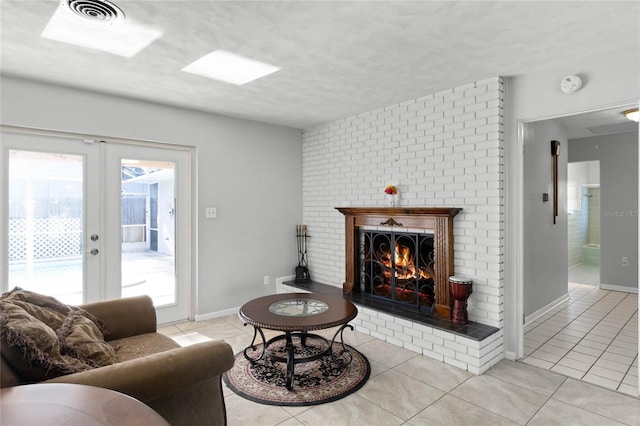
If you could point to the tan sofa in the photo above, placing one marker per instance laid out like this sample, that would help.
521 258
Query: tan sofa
183 384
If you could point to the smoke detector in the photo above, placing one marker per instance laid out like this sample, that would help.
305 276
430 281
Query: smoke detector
571 84
100 11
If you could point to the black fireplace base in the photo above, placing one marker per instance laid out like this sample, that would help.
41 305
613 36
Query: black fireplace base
471 330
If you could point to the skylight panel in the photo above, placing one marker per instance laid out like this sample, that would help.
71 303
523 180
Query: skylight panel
230 68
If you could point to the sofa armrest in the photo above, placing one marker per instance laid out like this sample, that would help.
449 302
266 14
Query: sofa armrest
125 317
159 374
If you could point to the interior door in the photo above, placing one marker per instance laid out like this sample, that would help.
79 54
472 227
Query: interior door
84 221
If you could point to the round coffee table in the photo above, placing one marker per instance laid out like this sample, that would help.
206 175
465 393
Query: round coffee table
72 404
296 314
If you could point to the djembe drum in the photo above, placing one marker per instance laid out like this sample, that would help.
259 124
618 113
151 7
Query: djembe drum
460 289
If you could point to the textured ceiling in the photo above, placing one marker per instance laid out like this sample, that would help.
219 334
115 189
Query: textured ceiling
337 58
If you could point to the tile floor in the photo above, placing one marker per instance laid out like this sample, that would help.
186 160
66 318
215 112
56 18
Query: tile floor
592 337
585 274
410 389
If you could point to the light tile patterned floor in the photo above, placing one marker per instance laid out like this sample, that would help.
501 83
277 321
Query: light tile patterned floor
413 390
592 337
585 274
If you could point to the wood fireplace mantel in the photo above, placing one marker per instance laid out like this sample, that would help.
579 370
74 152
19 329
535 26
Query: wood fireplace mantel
438 219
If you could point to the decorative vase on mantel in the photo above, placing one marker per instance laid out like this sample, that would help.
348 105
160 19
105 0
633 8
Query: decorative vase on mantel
391 199
391 194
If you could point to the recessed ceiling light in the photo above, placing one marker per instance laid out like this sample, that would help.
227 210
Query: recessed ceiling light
632 114
99 25
230 68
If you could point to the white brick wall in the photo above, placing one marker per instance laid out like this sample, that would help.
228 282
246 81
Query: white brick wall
444 149
468 354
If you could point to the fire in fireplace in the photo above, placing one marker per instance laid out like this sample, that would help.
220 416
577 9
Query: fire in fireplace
398 266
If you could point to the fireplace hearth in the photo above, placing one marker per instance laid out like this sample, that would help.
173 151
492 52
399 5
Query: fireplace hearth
379 241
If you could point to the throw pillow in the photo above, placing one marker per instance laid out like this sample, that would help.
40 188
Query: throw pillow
47 309
80 337
32 347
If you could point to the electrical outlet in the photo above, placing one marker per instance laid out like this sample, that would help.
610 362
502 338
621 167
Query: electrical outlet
211 213
266 280
625 261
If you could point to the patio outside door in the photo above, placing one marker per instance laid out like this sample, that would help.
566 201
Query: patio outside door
87 221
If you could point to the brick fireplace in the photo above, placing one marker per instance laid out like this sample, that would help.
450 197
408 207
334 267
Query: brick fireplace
416 226
447 148
473 347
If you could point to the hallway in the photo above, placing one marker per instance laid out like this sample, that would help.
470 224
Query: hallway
592 337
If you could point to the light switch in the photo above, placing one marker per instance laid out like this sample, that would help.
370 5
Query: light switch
211 213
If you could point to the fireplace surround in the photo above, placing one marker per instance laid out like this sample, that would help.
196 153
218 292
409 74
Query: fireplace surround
435 221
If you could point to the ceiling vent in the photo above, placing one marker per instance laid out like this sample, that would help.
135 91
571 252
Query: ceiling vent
100 11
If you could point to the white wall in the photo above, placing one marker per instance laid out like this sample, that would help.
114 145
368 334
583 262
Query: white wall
250 171
545 242
609 80
443 149
618 156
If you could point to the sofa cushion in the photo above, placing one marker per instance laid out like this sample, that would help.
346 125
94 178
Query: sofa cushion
142 345
42 338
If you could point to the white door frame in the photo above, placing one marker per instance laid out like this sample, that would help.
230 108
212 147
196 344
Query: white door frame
115 153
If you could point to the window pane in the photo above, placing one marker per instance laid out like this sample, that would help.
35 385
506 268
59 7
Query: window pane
148 230
45 224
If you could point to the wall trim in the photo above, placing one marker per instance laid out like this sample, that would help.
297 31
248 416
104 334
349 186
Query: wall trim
540 312
622 288
217 314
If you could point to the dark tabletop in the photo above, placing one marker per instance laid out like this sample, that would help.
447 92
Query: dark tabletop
327 311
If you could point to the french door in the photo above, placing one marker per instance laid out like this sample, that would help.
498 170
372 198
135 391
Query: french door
86 221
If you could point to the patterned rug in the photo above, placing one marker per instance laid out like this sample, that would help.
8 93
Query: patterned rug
315 382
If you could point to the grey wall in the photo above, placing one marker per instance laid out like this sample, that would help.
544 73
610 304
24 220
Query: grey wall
545 243
250 171
618 155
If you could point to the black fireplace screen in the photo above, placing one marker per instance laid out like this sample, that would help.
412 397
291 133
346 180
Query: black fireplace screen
398 267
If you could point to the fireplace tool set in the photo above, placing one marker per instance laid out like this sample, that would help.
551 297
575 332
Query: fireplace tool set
302 270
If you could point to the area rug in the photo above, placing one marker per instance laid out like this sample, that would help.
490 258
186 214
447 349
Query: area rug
315 382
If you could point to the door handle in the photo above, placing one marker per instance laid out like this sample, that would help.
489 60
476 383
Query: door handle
94 251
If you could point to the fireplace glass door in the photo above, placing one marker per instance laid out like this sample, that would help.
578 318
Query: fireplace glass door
398 266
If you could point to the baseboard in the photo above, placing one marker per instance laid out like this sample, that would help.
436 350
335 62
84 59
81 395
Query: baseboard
218 314
540 312
511 356
622 288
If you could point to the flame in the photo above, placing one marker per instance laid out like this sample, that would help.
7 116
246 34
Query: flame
404 266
